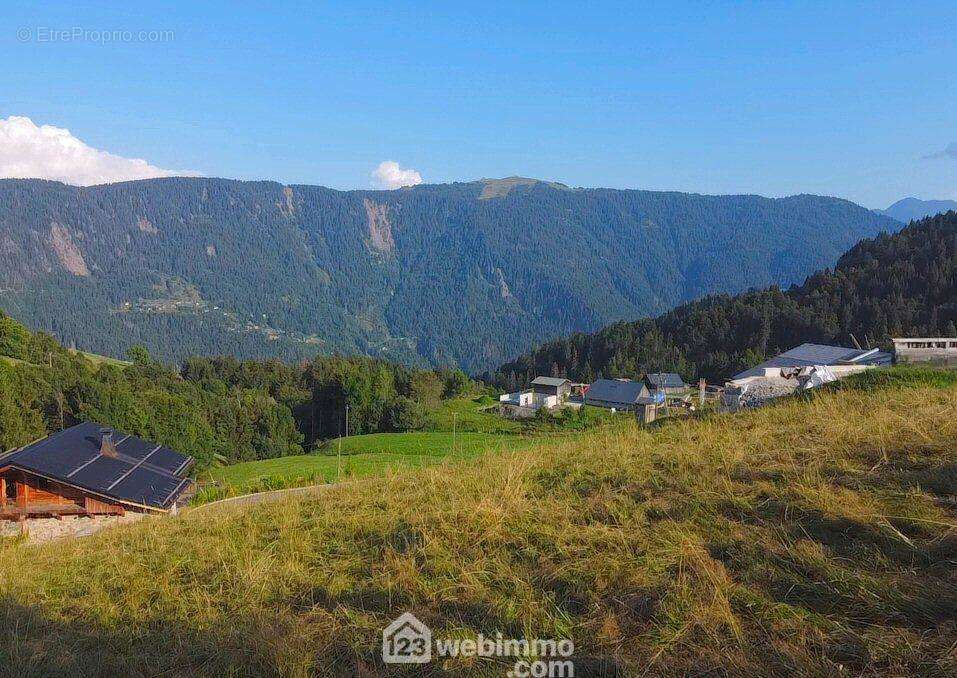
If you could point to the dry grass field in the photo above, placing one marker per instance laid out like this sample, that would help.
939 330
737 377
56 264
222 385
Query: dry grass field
816 536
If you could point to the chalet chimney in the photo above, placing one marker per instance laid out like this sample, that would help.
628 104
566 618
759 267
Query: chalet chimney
107 448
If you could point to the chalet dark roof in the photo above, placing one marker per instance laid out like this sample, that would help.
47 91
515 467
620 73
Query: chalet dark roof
807 355
139 472
616 391
665 380
549 381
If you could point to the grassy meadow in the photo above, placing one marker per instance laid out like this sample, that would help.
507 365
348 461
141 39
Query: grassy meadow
457 429
815 536
361 456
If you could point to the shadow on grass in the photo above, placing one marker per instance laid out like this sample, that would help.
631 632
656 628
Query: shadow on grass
33 644
865 574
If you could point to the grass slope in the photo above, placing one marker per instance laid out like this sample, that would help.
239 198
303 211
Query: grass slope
477 427
374 454
815 536
97 359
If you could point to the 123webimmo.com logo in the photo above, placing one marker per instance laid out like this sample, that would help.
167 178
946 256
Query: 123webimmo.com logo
409 641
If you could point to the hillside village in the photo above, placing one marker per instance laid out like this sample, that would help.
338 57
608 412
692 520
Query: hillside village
91 470
801 368
628 502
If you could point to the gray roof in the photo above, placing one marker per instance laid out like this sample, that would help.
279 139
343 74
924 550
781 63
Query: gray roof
140 472
549 381
616 391
665 380
807 355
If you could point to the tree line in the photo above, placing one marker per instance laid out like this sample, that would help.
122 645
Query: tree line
219 410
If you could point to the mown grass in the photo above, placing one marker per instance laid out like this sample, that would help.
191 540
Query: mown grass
362 456
94 358
477 415
98 360
481 415
460 429
815 536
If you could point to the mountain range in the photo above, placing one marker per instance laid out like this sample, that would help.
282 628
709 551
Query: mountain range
909 209
464 274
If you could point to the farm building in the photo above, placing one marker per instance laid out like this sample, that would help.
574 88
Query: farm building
668 383
556 386
544 393
840 360
933 350
620 394
89 470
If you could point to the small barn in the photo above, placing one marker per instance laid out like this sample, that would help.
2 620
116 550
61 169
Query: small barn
91 470
556 386
669 383
620 394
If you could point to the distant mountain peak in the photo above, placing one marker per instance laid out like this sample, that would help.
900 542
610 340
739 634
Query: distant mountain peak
910 208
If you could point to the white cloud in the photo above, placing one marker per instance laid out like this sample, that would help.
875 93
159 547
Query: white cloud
389 175
29 151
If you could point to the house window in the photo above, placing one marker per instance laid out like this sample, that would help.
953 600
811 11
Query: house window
11 490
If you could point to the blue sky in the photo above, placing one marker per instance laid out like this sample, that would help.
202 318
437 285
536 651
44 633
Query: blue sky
832 98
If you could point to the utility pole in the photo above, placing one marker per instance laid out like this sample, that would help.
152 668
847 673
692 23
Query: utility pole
339 461
339 454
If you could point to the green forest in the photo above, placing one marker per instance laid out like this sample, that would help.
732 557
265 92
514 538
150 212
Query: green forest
219 410
464 274
892 285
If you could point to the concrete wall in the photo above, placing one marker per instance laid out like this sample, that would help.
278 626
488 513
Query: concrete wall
933 350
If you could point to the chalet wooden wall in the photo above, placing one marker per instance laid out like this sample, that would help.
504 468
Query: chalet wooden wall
42 496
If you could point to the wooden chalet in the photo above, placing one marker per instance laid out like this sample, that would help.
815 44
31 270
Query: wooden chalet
91 470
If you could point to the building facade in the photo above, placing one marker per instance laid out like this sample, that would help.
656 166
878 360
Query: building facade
932 350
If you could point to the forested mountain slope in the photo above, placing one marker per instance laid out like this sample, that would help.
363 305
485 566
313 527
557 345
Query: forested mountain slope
467 273
893 285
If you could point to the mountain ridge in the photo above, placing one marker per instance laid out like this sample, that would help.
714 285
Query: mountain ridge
908 209
426 274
